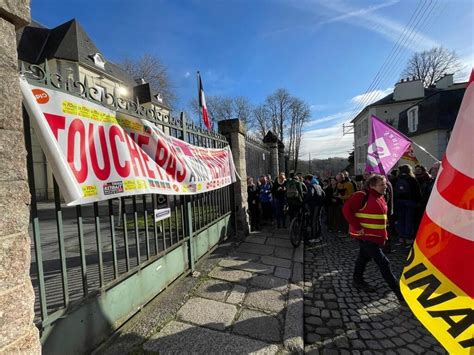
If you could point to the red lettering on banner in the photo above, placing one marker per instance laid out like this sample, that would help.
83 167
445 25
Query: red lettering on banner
122 170
143 140
103 173
167 161
55 123
77 127
135 156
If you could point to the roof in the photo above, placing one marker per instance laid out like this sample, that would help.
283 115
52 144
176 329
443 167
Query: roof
68 41
438 111
388 100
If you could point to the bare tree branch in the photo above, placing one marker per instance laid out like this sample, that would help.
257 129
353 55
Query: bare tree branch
431 65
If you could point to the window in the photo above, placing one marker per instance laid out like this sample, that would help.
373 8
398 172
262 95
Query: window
412 119
99 60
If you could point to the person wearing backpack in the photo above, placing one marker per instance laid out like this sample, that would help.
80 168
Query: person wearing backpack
294 195
366 213
314 198
407 196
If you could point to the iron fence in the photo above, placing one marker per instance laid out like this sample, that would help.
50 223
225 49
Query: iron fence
82 251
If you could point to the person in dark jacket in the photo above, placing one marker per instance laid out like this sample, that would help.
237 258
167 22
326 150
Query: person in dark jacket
407 196
252 200
279 198
366 213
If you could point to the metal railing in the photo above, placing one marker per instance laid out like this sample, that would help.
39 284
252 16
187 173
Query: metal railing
79 252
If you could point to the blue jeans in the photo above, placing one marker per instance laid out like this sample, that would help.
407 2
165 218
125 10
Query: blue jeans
406 210
368 251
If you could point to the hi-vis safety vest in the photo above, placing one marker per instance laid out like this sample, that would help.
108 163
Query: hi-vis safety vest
373 218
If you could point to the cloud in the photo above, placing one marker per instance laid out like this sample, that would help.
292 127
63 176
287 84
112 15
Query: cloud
467 64
316 107
371 96
337 117
187 74
360 12
327 142
372 21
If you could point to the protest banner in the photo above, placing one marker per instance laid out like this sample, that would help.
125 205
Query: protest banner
97 153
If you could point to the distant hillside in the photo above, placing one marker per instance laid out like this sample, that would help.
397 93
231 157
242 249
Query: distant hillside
323 167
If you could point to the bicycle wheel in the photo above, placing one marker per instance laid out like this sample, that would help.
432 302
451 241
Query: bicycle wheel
316 223
295 232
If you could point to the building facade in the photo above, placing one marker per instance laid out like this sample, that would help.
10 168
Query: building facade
397 106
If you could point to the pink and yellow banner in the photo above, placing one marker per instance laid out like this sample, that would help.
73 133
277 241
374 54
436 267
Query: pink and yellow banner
438 280
97 154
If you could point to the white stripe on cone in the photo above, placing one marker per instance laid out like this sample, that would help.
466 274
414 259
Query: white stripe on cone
450 217
460 149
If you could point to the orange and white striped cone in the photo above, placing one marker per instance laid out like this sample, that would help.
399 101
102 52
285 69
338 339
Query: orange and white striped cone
438 279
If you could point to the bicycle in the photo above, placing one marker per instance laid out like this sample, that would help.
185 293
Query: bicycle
299 227
303 221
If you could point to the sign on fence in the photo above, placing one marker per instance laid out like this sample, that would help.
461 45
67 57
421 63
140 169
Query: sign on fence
96 153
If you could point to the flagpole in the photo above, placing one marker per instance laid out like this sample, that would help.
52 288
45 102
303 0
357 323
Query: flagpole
423 149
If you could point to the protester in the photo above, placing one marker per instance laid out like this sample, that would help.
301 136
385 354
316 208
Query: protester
279 199
332 203
366 213
425 182
407 195
313 200
265 196
294 194
345 189
252 200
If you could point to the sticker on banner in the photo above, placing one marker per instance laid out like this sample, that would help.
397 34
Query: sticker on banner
162 213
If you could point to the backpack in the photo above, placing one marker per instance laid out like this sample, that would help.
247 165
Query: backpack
319 194
293 193
402 189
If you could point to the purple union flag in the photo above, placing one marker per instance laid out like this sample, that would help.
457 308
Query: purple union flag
386 147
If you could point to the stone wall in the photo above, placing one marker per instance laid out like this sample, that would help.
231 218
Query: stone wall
17 331
234 130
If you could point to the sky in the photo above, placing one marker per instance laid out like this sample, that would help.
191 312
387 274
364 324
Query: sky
325 52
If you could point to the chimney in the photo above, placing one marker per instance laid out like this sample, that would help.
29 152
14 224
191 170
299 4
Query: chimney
445 82
408 89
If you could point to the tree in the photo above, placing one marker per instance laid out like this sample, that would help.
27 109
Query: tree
299 114
278 104
431 65
261 120
153 71
224 108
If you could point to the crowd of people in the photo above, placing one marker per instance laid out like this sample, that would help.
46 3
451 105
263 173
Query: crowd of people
375 210
272 201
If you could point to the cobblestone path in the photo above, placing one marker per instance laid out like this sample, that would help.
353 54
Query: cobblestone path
342 320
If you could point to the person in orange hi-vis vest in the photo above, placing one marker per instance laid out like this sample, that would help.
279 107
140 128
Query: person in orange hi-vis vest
366 213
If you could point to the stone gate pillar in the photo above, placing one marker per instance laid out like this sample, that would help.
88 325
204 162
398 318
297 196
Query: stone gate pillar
281 157
18 334
271 141
234 130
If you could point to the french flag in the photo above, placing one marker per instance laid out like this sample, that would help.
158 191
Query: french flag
202 103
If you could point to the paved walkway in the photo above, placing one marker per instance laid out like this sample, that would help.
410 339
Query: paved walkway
250 300
341 320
